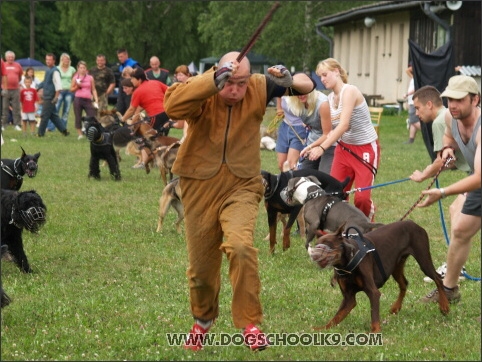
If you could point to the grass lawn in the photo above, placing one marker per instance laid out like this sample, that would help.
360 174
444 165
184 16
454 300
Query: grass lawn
106 286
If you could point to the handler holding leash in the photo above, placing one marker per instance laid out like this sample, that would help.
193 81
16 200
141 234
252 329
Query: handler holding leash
219 166
462 132
357 153
149 95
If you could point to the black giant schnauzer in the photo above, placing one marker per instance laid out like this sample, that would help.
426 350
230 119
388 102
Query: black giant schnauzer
101 148
21 210
14 170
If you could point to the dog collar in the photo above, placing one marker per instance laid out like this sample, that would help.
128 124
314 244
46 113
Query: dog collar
14 172
313 195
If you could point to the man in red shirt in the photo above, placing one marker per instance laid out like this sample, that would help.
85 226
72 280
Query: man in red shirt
148 95
11 90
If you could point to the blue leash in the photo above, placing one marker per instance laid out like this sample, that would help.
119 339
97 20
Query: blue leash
447 239
375 186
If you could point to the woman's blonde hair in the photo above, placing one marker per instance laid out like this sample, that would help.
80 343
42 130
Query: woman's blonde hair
298 108
331 64
126 72
65 55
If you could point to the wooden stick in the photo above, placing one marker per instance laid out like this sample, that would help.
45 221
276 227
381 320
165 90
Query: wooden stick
256 34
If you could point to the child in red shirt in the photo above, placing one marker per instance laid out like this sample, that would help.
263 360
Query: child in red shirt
29 100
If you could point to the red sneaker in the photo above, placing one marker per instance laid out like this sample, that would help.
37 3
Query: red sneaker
195 338
254 338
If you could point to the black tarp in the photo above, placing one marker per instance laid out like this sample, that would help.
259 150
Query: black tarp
433 69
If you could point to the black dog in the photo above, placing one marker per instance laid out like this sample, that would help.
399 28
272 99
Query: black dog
21 210
14 170
274 203
4 298
101 148
121 133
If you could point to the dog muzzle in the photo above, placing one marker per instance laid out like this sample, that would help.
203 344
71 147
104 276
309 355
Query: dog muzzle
322 254
31 169
33 218
93 134
287 196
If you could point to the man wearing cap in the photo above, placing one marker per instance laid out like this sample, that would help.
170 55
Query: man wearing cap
462 133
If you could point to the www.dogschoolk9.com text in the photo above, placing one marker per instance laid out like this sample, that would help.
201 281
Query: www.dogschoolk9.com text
278 339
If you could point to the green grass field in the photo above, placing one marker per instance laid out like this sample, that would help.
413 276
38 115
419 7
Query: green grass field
106 286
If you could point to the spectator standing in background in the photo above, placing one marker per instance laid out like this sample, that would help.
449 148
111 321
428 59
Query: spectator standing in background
66 97
83 87
11 90
413 120
30 72
51 86
158 73
29 101
104 80
125 61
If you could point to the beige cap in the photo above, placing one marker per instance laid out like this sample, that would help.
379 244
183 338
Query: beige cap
459 86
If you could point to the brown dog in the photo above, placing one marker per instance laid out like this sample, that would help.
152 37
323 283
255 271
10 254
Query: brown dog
165 157
171 196
151 141
366 264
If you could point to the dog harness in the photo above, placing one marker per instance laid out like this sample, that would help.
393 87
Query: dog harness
365 246
14 173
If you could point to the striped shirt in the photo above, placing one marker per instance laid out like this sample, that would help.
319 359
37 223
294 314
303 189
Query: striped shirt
361 130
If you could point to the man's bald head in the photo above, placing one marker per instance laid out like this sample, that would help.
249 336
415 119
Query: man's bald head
236 86
244 67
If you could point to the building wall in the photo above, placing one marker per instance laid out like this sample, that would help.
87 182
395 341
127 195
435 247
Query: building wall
376 58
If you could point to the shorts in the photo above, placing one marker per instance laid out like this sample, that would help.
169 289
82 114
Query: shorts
472 204
412 116
288 139
28 117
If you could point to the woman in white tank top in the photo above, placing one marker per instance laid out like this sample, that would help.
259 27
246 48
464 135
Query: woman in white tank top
357 152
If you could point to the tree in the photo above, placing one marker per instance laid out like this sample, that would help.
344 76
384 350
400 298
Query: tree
290 36
163 28
15 20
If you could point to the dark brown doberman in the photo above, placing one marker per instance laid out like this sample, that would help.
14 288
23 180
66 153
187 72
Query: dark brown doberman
365 262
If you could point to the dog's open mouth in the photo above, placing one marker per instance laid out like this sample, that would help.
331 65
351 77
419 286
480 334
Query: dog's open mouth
31 169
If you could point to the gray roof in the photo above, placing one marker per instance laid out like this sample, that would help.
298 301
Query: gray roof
380 7
471 70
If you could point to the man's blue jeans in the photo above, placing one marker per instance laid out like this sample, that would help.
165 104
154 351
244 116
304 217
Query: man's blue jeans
66 98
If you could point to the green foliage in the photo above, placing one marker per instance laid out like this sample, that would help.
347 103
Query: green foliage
15 20
165 29
106 286
177 31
